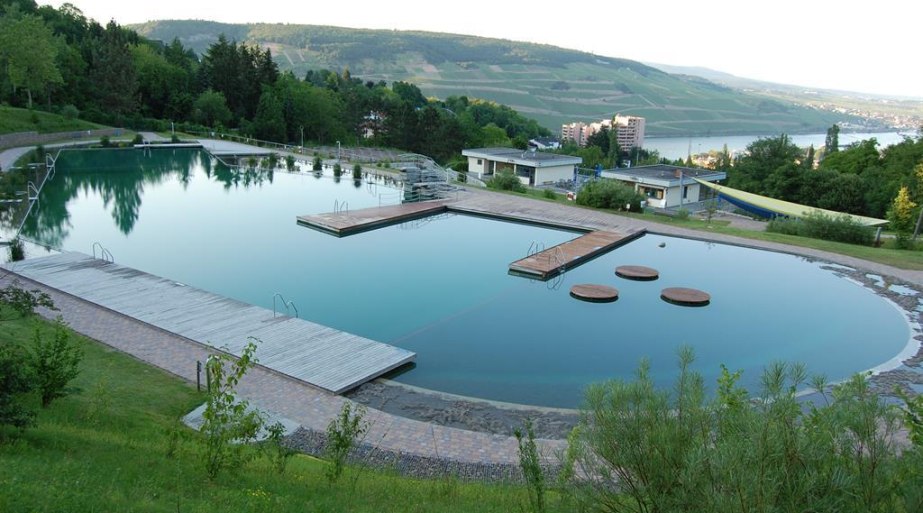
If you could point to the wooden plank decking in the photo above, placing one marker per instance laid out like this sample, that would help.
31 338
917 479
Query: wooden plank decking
319 355
350 222
570 254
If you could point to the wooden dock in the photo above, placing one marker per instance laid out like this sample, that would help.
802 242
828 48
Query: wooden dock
355 221
319 355
557 259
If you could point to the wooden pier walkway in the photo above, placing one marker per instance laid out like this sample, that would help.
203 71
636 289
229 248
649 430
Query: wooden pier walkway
315 354
350 222
570 254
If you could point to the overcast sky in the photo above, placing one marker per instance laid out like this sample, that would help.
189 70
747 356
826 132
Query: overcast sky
867 47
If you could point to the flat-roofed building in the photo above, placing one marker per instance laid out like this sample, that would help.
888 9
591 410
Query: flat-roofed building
666 186
531 167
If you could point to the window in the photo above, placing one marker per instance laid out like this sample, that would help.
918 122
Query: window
685 191
480 162
651 192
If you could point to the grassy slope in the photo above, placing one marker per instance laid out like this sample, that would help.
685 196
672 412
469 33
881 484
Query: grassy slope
87 457
520 75
21 120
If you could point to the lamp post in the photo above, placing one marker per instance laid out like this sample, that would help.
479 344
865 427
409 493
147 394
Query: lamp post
338 151
301 127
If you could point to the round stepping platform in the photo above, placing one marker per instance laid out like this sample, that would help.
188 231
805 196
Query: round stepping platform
637 272
685 297
594 293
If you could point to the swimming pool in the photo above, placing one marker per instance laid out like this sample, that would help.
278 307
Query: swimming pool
439 286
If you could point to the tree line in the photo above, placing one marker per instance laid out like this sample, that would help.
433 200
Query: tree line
859 179
60 61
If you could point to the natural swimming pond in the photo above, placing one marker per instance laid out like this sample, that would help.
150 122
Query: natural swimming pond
440 287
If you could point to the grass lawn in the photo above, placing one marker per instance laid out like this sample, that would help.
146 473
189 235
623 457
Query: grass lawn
23 120
105 449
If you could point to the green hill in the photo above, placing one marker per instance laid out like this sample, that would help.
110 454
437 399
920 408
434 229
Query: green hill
13 119
547 83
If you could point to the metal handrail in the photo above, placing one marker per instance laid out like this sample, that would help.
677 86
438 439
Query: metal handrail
286 304
104 254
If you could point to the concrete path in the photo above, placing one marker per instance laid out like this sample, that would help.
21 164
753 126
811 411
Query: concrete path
152 137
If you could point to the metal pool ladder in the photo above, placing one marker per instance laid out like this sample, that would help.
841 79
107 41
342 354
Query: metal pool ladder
104 254
287 304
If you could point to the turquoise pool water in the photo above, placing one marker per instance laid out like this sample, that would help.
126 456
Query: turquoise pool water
440 286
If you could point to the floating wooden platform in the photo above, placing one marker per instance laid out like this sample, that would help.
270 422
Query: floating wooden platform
685 297
636 272
355 221
319 355
594 293
568 255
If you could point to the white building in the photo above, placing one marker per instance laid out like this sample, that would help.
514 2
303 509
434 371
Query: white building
532 167
666 186
629 131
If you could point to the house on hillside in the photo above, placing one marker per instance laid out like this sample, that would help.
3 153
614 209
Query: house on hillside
531 166
667 186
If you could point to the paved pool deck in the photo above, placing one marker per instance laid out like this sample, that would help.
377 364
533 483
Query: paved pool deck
314 408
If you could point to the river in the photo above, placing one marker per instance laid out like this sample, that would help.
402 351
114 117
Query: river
679 147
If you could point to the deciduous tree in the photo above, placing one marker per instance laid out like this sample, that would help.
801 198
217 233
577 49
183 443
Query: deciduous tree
29 50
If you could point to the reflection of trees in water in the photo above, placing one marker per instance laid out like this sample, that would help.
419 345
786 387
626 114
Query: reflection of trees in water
49 221
119 178
242 176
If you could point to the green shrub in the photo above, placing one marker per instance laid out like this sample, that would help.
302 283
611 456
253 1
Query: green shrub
549 194
290 162
17 252
337 170
56 362
682 214
318 164
70 112
18 302
16 381
609 194
228 421
818 225
531 465
678 449
506 182
343 434
105 142
275 449
174 138
357 172
139 139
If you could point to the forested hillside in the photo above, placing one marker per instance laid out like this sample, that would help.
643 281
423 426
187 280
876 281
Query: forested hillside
60 61
550 84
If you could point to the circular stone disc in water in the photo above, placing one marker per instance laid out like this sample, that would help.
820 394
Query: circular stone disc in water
636 272
685 297
594 293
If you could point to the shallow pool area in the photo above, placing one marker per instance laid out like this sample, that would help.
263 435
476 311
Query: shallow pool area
439 286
